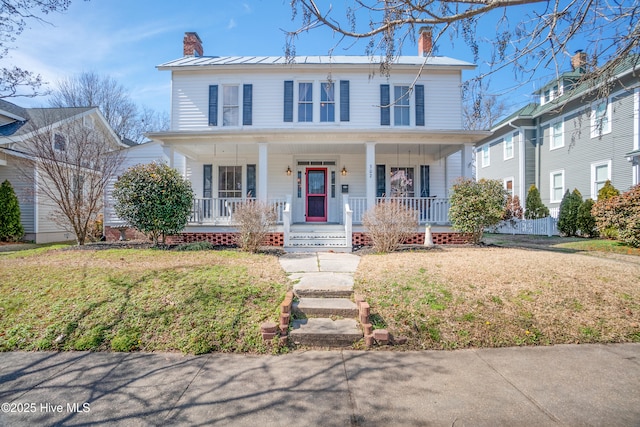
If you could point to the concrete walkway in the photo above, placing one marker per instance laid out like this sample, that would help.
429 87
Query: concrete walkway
572 385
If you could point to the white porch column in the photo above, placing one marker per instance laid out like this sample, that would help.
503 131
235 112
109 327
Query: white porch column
262 171
168 155
370 174
466 163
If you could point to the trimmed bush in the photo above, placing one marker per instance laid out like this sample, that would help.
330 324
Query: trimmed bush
534 209
154 198
608 191
476 205
585 221
10 226
388 224
620 213
255 220
568 216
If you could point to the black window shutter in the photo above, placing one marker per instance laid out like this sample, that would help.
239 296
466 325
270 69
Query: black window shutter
288 101
385 109
419 105
247 105
213 105
344 100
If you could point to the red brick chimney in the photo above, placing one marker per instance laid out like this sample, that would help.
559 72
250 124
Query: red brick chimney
192 44
425 42
579 61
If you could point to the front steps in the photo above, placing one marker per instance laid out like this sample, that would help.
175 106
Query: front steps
324 314
317 238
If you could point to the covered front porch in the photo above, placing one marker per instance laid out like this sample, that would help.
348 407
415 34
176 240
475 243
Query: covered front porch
318 181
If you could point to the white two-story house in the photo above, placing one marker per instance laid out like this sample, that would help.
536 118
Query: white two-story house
324 138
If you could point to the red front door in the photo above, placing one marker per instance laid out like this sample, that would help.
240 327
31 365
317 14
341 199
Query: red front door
316 194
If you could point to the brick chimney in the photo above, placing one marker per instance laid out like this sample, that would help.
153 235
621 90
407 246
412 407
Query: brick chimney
579 61
425 42
192 44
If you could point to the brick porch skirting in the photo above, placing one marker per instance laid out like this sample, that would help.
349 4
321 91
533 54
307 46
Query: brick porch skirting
277 239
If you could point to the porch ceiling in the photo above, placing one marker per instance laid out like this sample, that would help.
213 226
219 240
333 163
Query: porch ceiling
300 142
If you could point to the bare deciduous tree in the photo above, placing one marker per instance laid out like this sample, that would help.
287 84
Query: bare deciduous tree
481 109
541 38
90 89
74 160
14 15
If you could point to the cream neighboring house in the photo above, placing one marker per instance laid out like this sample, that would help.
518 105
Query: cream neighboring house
17 128
323 138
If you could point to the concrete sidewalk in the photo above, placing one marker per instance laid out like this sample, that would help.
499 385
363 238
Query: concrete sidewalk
570 385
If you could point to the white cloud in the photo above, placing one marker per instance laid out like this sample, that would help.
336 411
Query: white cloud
232 24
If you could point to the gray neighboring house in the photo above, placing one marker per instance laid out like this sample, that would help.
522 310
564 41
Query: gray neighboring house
17 126
571 138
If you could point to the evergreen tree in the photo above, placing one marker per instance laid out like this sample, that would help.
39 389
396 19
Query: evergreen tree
586 221
534 208
568 216
608 191
10 226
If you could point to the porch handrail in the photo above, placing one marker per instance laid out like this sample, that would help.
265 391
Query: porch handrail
348 221
286 219
429 210
219 210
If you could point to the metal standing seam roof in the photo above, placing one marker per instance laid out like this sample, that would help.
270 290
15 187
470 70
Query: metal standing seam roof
202 61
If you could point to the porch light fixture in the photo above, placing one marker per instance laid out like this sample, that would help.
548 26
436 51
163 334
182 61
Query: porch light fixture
288 171
343 172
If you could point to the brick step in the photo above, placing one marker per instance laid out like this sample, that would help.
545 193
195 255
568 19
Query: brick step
323 285
325 307
324 332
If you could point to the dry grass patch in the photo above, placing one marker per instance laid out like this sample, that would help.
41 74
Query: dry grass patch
131 299
492 297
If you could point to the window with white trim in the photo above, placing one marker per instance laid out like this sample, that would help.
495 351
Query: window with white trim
485 156
508 146
557 186
508 185
327 102
556 134
230 106
600 119
59 142
401 108
600 173
305 102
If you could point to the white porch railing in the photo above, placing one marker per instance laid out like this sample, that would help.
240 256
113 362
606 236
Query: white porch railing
535 227
348 222
429 210
219 211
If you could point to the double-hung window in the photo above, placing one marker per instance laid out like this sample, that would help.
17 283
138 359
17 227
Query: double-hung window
484 155
600 173
230 106
401 108
59 142
600 119
557 186
556 131
508 147
327 102
305 102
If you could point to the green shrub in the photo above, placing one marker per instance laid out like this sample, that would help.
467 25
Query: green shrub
627 216
197 246
568 216
388 224
254 220
608 191
585 221
154 198
10 226
534 209
476 205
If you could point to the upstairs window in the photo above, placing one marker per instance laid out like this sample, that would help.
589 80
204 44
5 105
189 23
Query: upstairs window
600 119
484 155
327 102
508 147
557 135
305 102
230 106
401 107
59 142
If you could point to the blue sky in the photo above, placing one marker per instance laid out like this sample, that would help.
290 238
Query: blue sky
126 39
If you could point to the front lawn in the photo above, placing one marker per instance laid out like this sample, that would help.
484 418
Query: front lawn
137 299
458 297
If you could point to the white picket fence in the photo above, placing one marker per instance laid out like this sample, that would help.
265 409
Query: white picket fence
535 227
